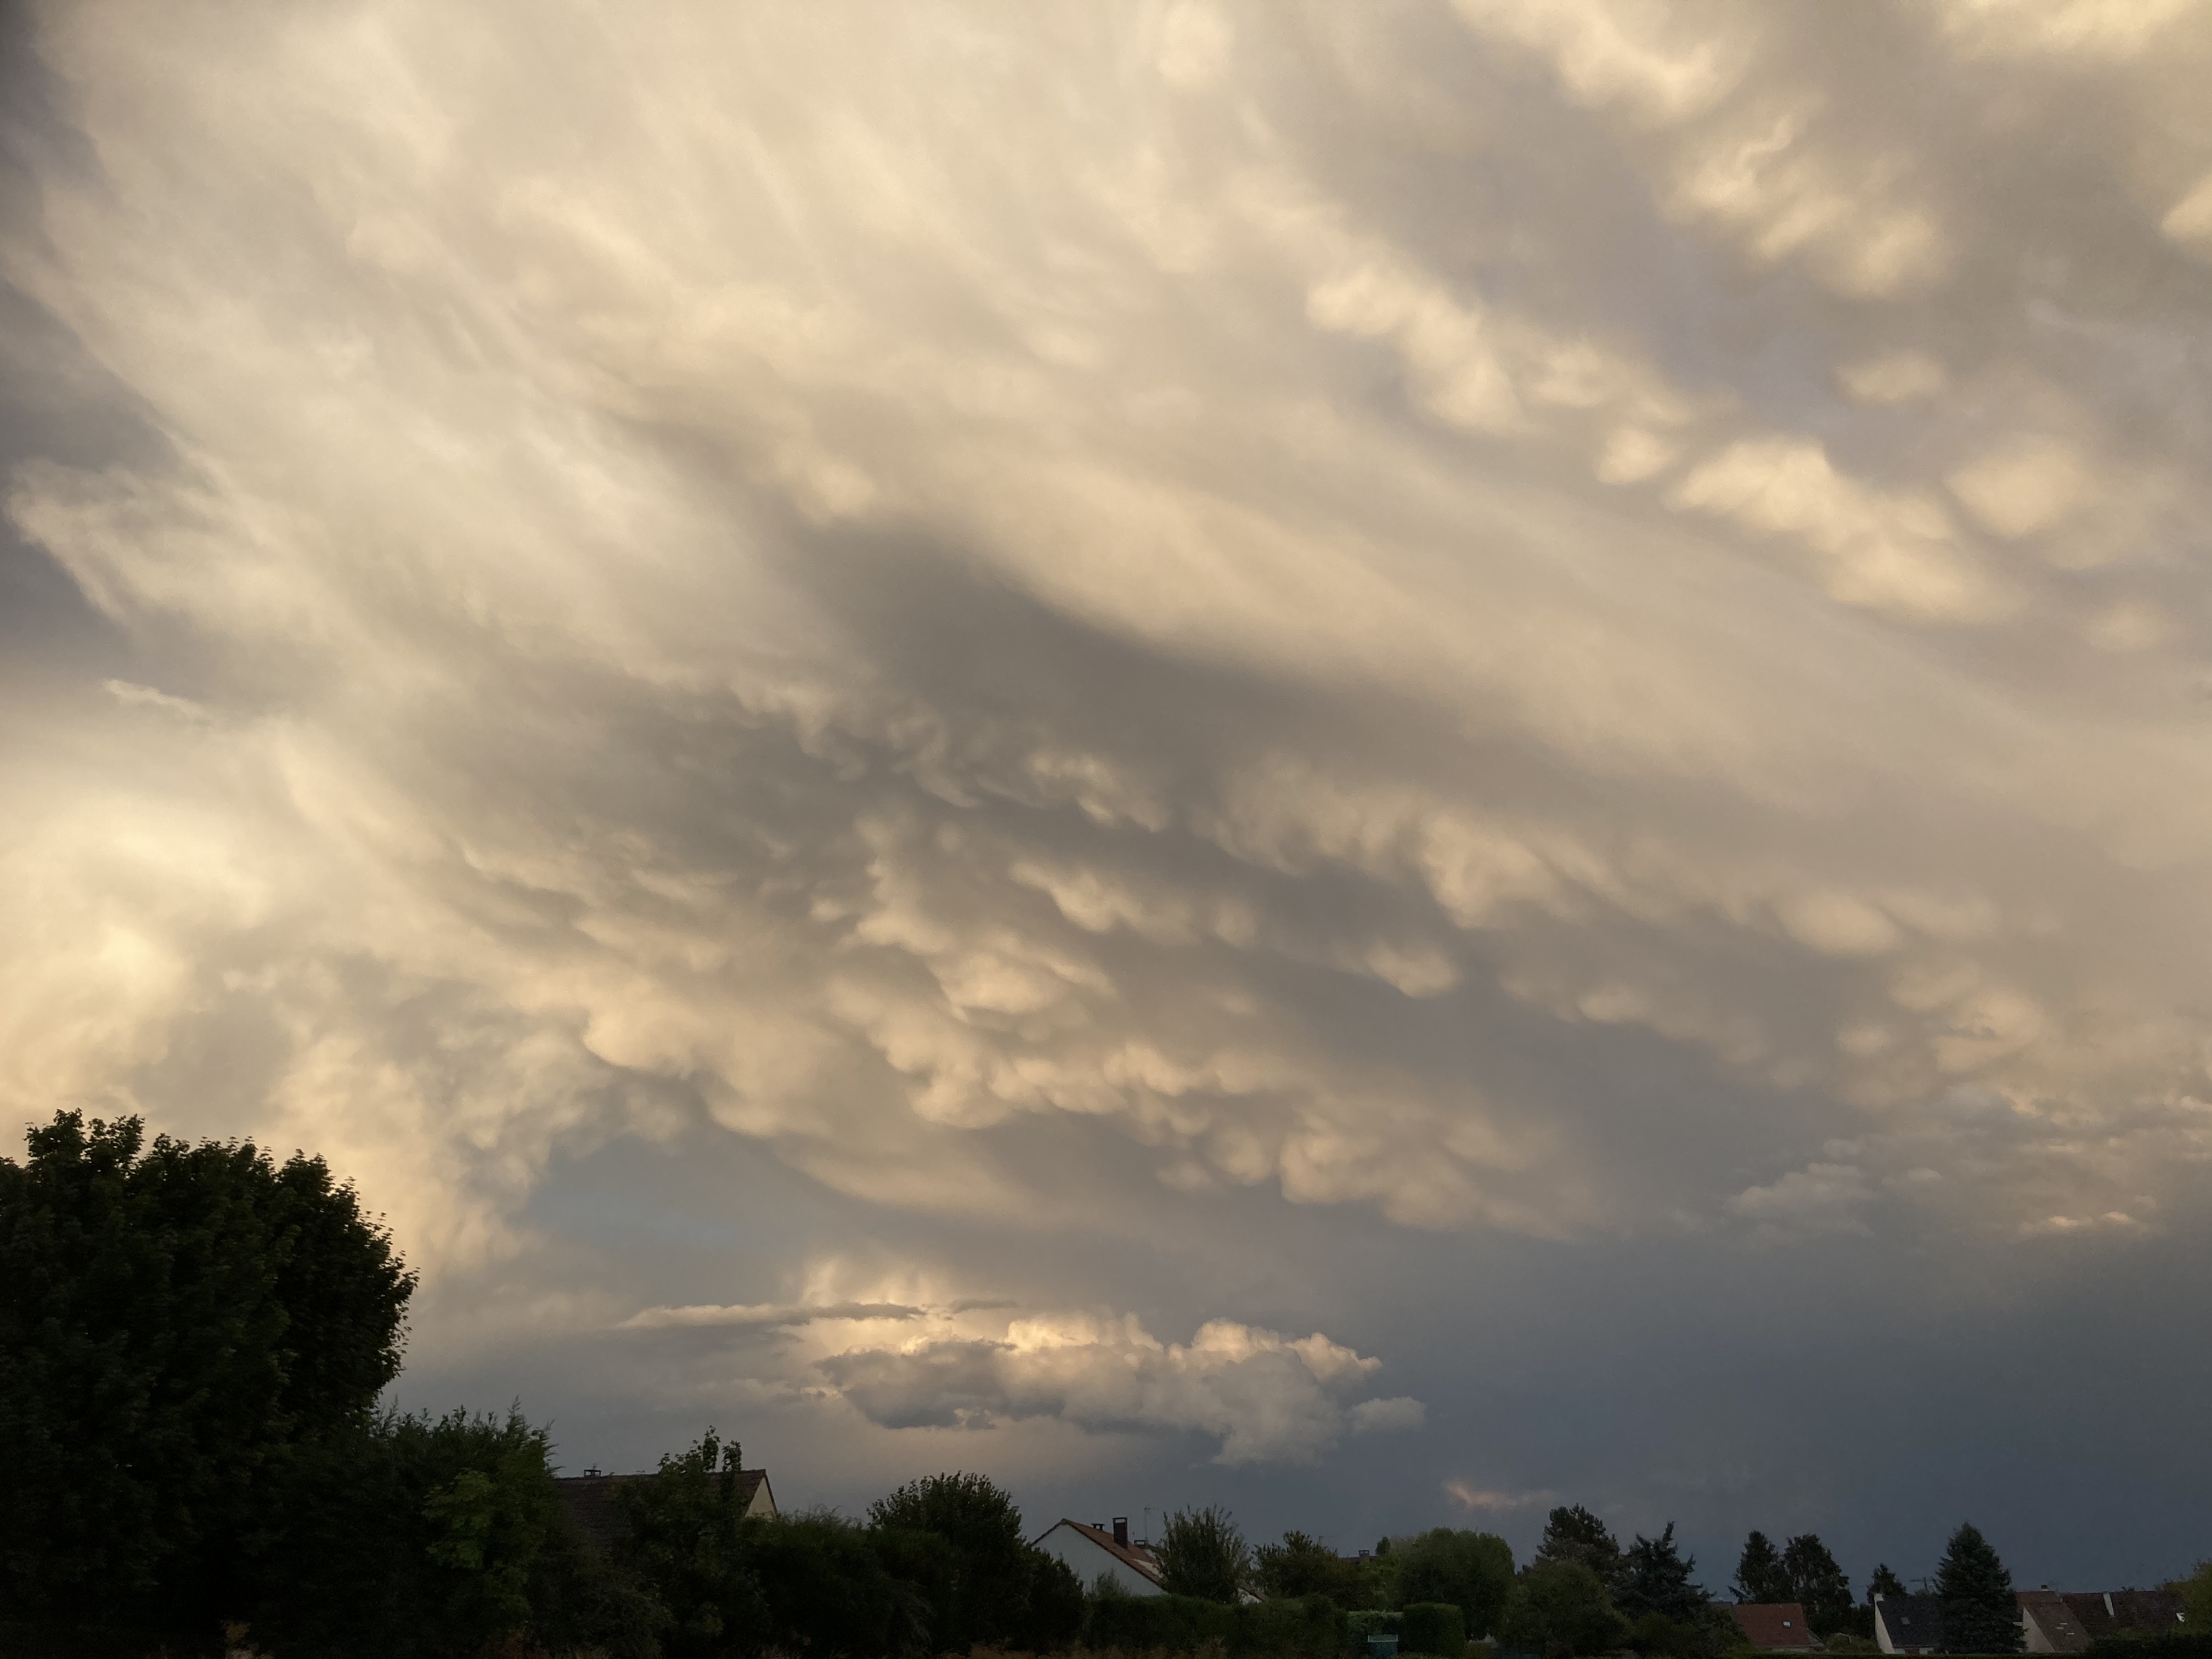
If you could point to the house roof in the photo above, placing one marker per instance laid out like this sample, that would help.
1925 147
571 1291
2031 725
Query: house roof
1138 1558
2101 1613
1779 1624
1912 1621
2054 1619
590 1501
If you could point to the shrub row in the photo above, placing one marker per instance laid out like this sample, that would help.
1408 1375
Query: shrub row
1309 1627
2177 1644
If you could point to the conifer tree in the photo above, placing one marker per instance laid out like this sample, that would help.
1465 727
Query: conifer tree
1654 1577
1573 1534
1817 1583
1979 1614
1759 1575
1884 1583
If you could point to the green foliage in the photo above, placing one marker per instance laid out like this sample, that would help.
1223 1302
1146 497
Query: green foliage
1759 1574
1851 1642
1884 1583
683 1540
1573 1534
1305 1627
1654 1577
1433 1627
1472 1571
2196 1592
1817 1584
421 1538
999 1587
2144 1644
1304 1565
1560 1608
1980 1613
1202 1553
180 1325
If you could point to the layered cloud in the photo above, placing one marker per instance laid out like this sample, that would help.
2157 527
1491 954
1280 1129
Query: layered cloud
1579 621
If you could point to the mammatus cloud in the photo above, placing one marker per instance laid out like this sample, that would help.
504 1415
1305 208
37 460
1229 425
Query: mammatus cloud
1580 621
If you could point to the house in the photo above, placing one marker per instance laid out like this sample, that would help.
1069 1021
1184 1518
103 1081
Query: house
1777 1626
2049 1624
589 1498
2107 1613
1098 1553
1908 1624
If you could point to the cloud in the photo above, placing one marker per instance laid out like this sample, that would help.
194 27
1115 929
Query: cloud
783 1316
1483 1501
1579 624
1265 1396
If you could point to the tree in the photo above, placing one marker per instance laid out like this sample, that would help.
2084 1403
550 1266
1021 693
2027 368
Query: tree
1654 1577
1979 1614
1202 1553
1472 1571
2196 1592
1304 1565
684 1538
416 1536
992 1569
1884 1583
178 1325
1560 1608
1573 1534
1759 1574
1817 1584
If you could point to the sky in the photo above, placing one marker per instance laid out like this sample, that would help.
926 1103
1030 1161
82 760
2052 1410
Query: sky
1386 764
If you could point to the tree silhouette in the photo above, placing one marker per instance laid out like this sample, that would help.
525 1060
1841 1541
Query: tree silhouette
1759 1575
1979 1614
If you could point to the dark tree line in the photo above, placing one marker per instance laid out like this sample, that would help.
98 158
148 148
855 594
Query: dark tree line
193 1339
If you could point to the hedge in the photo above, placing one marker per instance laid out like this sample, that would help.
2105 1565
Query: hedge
2176 1644
1434 1627
1310 1627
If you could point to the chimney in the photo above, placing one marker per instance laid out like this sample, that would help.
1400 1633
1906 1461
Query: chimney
1122 1531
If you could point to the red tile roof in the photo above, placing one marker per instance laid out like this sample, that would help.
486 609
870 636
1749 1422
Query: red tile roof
1774 1625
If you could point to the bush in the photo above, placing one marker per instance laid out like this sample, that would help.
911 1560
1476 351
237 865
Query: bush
1472 1571
1309 1627
2130 1644
1434 1627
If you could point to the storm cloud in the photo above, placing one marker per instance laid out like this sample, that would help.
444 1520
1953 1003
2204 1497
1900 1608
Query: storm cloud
1185 668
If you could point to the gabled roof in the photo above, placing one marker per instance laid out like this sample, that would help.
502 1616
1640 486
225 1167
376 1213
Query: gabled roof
1774 1625
1914 1622
2052 1616
1138 1558
590 1501
2101 1613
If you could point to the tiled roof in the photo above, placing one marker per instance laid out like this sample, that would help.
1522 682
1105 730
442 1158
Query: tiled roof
1138 1558
1776 1625
2051 1614
590 1501
1915 1622
2101 1613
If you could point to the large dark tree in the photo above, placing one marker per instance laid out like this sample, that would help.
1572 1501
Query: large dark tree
178 1324
1759 1574
1560 1608
1654 1577
1302 1565
1884 1583
1980 1613
1001 1589
1571 1533
1472 1571
1201 1553
1817 1583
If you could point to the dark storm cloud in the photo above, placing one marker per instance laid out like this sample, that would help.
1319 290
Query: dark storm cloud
1150 652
